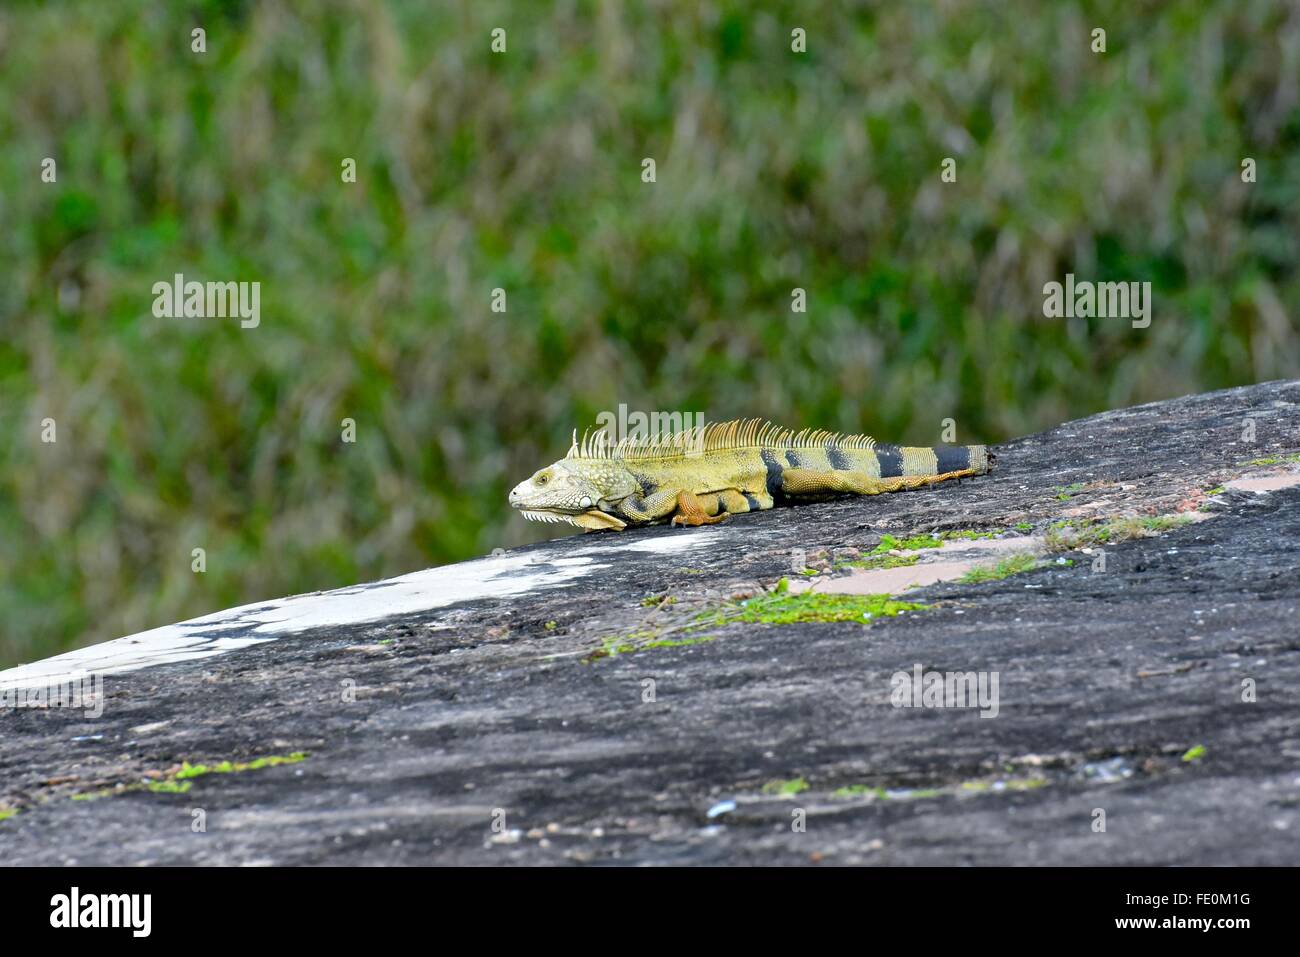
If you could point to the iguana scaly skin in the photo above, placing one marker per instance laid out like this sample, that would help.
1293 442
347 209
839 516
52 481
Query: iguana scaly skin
702 475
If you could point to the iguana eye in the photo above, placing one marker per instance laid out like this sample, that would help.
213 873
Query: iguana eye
541 479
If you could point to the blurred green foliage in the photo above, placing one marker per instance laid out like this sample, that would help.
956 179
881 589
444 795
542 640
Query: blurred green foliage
522 170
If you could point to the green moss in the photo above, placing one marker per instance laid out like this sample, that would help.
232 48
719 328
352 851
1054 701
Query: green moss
880 561
1068 535
623 644
234 767
551 625
777 607
881 556
1023 526
1275 459
893 794
179 782
1011 565
969 534
888 543
859 790
1164 523
643 640
1066 492
781 608
981 786
1217 490
677 642
6 813
792 786
1194 753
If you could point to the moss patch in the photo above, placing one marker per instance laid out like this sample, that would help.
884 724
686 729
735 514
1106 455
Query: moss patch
781 608
981 786
1068 535
643 641
792 786
1067 492
234 767
180 781
6 813
859 790
1011 565
969 534
1194 753
888 543
880 561
1275 460
777 607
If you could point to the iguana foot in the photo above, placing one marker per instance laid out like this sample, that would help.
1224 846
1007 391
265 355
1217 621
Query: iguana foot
596 521
690 511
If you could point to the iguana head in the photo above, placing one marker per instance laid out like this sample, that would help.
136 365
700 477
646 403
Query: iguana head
580 491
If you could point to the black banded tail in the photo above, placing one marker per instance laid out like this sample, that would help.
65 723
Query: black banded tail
950 460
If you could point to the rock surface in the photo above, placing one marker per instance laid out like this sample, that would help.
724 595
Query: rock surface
486 727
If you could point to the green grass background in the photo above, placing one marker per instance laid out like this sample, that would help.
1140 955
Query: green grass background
522 171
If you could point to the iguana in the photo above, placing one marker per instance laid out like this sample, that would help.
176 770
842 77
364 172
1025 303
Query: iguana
702 475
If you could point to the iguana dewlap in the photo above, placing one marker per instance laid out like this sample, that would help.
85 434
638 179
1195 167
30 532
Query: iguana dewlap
702 475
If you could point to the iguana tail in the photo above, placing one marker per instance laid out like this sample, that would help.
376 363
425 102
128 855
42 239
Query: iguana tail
885 461
903 461
865 468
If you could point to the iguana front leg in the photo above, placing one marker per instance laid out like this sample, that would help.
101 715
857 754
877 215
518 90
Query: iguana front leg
685 507
649 508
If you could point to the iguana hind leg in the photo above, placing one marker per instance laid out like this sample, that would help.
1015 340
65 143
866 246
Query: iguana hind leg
692 510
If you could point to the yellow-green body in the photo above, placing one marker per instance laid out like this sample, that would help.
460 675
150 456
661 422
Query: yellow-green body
703 475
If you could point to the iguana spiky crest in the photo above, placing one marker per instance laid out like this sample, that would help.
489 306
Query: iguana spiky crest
714 437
